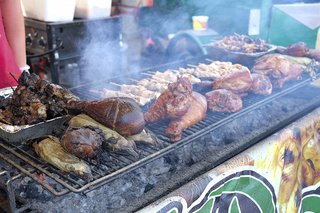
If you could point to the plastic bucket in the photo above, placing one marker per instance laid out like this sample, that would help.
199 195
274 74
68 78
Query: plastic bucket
200 22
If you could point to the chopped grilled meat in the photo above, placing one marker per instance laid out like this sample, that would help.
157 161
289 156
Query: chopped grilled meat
196 113
223 100
238 81
35 100
121 114
261 84
173 102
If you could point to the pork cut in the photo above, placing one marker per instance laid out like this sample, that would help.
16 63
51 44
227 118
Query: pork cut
238 81
261 84
275 66
278 69
196 113
223 100
121 114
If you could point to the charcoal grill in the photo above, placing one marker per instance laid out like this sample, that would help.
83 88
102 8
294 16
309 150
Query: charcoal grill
117 165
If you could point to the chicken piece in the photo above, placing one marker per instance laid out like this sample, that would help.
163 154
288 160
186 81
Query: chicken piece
274 66
173 102
195 114
121 114
84 142
298 49
223 100
60 92
295 74
261 84
239 81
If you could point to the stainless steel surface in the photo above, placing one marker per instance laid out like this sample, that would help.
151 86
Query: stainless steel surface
15 134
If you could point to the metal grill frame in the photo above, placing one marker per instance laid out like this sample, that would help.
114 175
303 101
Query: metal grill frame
212 122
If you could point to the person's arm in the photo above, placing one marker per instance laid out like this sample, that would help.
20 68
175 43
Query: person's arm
13 21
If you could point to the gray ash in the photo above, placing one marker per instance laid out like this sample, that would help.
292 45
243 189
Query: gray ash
144 185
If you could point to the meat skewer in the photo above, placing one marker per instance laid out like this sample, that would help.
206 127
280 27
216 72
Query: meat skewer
110 93
138 90
153 85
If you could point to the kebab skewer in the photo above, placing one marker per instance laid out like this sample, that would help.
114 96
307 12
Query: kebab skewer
138 90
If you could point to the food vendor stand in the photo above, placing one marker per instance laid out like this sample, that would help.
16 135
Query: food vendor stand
228 160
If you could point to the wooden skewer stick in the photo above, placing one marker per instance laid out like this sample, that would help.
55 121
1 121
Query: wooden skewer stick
13 74
4 121
147 74
190 65
95 91
11 87
67 112
64 116
115 84
134 80
210 60
14 77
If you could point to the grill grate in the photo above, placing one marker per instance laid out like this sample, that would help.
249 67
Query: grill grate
113 166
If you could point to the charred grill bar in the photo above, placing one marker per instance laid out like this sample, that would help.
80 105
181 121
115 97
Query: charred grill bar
215 126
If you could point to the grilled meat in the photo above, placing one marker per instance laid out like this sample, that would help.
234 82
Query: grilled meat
261 84
84 142
113 141
139 99
173 102
196 113
298 49
121 114
242 43
35 100
315 54
278 69
223 100
146 137
238 81
50 149
295 74
274 66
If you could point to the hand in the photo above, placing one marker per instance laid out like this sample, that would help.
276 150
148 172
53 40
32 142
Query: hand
25 68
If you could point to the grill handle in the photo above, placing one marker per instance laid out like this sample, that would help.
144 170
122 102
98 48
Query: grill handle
11 195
